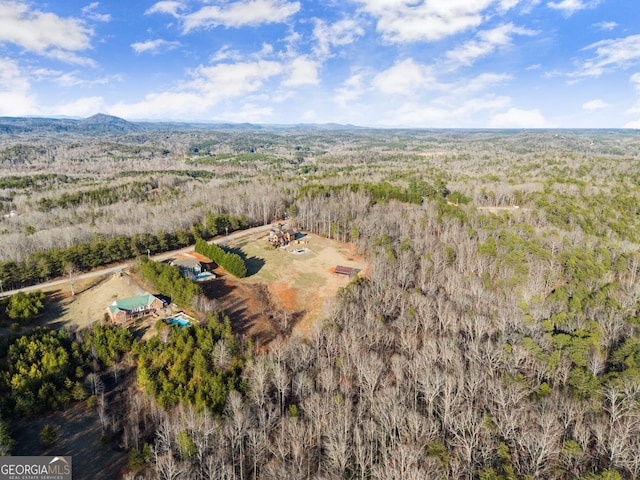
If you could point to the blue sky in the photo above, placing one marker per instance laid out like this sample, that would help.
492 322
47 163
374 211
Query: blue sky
405 63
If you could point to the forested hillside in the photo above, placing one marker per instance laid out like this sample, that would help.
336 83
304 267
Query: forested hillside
496 335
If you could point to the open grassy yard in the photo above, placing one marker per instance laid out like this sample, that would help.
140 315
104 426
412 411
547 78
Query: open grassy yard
302 283
284 292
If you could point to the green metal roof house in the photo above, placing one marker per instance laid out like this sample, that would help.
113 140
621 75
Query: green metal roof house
124 309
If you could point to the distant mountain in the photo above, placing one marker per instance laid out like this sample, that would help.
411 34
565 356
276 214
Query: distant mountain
99 123
168 125
35 125
309 127
107 123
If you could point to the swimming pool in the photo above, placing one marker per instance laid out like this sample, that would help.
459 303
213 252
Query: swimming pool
180 319
204 276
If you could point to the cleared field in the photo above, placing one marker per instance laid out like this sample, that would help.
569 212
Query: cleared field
299 285
284 293
90 302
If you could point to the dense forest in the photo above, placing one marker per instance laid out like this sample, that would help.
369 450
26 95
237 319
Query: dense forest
496 335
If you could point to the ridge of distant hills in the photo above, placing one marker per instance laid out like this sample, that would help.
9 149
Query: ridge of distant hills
102 123
95 124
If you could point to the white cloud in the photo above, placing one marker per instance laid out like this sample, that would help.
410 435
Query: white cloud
410 94
233 79
508 4
486 42
484 81
518 118
90 12
351 89
595 105
402 21
265 51
302 71
635 81
342 32
635 109
462 103
43 33
70 79
162 105
240 13
569 7
154 46
209 86
226 53
610 55
167 6
256 113
405 78
11 77
82 107
70 57
446 112
15 90
527 6
606 25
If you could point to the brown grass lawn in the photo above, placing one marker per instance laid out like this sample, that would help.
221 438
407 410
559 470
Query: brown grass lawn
300 284
90 303
280 285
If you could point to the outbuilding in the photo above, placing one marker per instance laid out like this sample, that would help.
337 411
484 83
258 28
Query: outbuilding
346 271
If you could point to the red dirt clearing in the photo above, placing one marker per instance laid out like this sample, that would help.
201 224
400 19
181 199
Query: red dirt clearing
286 296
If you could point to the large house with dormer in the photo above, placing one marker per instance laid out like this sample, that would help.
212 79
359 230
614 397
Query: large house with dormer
125 309
281 237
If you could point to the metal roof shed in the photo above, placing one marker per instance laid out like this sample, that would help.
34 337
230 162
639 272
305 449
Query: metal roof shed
346 271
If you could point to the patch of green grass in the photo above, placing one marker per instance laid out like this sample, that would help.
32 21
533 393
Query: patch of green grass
280 265
265 275
275 261
309 280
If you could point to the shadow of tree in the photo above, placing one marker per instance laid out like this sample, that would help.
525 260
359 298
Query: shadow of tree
254 264
53 310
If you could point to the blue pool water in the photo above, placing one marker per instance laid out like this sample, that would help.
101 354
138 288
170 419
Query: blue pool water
181 322
204 276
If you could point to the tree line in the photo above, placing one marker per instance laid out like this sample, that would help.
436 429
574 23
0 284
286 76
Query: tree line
231 262
23 307
40 181
168 281
414 192
135 191
42 266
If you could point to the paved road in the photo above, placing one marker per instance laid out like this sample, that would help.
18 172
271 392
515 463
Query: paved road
159 258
